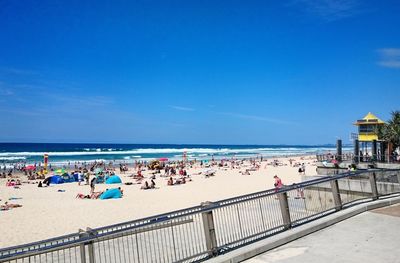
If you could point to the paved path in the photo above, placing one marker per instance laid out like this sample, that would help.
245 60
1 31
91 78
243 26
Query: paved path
370 237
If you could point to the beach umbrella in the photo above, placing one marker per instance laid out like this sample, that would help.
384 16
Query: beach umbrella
60 171
30 167
163 159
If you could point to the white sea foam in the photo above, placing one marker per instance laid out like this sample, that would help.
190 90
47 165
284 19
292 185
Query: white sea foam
12 158
178 152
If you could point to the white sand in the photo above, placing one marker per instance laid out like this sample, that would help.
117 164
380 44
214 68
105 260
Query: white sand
47 213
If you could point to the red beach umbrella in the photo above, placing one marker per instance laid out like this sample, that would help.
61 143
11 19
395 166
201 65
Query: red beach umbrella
163 159
30 167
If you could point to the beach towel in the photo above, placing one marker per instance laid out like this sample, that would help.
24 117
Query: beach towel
14 198
111 194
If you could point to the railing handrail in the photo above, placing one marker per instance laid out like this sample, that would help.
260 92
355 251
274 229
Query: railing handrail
77 238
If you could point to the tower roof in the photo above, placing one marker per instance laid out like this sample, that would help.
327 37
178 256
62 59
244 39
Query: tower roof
369 119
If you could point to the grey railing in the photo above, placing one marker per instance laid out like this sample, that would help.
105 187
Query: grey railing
350 157
208 230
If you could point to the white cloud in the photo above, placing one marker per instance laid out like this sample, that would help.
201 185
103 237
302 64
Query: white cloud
4 91
17 71
329 10
389 57
255 118
181 108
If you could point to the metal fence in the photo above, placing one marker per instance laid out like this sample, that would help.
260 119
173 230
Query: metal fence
350 157
208 230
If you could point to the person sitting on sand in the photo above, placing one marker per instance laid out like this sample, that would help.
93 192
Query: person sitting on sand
10 182
122 191
139 174
170 181
153 184
145 186
47 181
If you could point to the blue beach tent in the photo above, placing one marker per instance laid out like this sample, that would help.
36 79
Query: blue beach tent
111 194
56 179
68 178
114 179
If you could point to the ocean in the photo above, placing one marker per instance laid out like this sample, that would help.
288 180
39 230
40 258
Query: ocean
61 153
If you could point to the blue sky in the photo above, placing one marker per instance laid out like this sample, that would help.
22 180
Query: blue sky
220 72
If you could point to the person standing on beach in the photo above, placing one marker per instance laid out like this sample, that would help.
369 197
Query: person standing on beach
92 184
278 183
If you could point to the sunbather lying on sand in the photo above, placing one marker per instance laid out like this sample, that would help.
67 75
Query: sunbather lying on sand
8 206
94 195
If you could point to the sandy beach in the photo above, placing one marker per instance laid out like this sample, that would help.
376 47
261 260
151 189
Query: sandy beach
46 212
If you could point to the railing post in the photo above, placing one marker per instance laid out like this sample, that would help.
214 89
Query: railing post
336 195
398 176
339 150
374 189
90 245
209 230
82 247
283 202
356 151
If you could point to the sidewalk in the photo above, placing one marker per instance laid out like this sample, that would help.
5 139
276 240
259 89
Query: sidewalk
369 238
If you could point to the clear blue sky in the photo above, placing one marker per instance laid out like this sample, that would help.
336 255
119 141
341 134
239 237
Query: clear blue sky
221 72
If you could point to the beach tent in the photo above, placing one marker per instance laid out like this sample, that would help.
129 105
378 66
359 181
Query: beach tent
100 179
68 178
56 179
111 194
76 177
114 179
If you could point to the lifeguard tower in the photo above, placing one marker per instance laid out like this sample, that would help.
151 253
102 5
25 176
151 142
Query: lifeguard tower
368 139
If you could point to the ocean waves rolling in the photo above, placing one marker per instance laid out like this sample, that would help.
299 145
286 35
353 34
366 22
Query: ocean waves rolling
66 152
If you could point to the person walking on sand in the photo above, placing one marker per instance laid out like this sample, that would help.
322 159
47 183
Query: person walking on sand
278 183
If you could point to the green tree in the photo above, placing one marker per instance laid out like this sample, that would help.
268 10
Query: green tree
390 132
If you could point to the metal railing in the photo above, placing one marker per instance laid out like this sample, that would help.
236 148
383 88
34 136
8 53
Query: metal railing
350 157
208 230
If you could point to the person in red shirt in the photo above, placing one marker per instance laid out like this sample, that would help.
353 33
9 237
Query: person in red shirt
278 183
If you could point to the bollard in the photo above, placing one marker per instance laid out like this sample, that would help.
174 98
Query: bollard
374 189
336 195
283 203
209 231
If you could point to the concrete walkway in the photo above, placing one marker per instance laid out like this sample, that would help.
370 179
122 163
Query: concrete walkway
369 238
